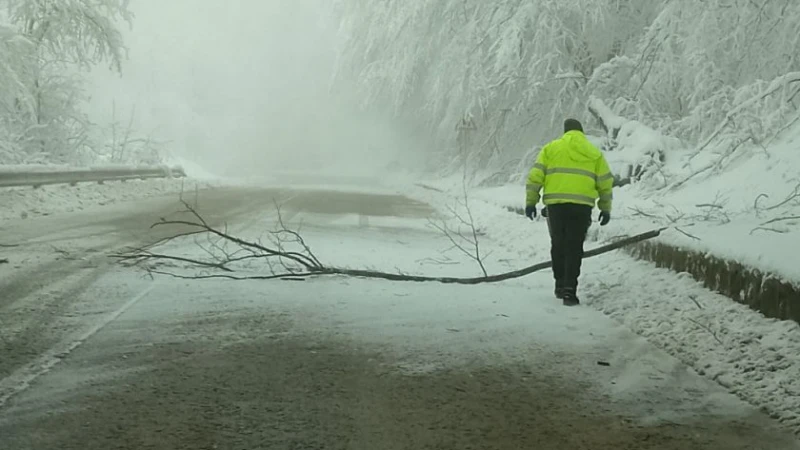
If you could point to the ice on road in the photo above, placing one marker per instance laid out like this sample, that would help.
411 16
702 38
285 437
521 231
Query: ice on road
349 363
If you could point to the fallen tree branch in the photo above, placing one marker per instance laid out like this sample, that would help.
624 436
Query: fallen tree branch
306 264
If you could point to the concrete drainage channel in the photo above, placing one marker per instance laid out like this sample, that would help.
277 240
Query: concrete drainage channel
763 292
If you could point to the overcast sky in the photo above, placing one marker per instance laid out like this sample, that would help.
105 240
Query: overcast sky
236 85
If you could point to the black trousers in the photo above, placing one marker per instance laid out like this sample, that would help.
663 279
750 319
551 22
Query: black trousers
568 224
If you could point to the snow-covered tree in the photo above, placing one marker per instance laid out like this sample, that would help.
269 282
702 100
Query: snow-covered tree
714 73
53 40
15 96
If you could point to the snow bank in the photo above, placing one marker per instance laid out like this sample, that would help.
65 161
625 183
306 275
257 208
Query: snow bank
754 357
749 213
26 202
744 238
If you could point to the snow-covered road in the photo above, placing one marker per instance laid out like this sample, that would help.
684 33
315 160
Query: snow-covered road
97 356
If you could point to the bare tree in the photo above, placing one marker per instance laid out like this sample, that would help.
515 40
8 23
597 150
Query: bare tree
124 145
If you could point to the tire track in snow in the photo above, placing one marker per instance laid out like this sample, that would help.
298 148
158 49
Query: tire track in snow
23 378
28 281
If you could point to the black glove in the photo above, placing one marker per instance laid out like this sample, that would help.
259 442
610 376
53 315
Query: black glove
530 211
605 216
544 212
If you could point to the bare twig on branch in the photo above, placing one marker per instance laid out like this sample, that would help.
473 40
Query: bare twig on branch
640 212
687 234
764 227
707 328
294 237
443 261
755 203
780 219
303 263
786 126
672 219
774 230
715 210
793 196
675 219
466 242
222 260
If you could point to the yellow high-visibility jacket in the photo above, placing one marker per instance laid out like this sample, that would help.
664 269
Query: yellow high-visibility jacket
571 170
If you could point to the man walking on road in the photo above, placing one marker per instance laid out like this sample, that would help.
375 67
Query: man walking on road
574 175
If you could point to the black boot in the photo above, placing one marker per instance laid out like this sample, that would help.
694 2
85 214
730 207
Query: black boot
570 297
559 289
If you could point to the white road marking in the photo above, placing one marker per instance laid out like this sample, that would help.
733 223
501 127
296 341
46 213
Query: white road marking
21 379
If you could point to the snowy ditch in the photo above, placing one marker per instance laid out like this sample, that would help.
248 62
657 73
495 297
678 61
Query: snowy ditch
751 355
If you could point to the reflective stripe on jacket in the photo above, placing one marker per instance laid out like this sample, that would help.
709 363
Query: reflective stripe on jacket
571 170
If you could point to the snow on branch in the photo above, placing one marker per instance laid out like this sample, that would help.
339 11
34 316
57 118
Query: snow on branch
42 43
609 120
687 69
775 86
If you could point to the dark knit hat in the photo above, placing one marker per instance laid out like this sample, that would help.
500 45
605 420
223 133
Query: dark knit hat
572 125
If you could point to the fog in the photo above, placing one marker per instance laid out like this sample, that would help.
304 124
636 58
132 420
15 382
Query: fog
241 88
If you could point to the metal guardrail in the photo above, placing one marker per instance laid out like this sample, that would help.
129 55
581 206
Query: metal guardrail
36 178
